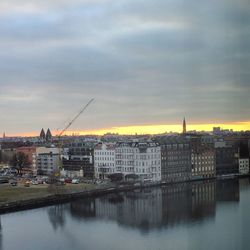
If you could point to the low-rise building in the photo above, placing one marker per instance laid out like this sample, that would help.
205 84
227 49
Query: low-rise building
80 159
46 160
29 152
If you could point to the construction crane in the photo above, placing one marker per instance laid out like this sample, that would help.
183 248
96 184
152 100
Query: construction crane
65 129
75 118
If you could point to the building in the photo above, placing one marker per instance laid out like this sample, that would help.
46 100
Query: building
203 163
244 166
226 158
140 159
184 127
175 158
29 153
202 159
42 135
104 158
46 160
80 160
48 135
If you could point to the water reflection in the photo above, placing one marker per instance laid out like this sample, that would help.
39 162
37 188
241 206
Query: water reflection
199 215
159 207
57 216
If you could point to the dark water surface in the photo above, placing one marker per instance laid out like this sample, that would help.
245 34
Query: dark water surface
209 215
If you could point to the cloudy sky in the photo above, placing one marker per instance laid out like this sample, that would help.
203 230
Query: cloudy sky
146 62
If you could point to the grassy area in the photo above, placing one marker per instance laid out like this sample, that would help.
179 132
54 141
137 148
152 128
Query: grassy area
10 194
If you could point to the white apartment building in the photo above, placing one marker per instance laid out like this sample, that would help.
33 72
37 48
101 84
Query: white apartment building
243 166
137 159
46 160
104 159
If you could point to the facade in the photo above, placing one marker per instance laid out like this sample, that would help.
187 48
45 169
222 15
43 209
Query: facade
46 160
29 152
142 159
80 158
104 158
175 159
133 160
244 166
203 163
226 158
202 159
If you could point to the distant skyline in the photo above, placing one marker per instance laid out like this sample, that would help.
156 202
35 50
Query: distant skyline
147 63
148 129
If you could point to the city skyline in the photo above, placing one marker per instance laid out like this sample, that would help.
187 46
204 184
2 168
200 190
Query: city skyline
147 129
146 63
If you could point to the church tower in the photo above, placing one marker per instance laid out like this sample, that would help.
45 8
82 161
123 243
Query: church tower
42 135
48 135
184 129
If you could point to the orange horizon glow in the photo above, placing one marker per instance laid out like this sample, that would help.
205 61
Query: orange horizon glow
149 129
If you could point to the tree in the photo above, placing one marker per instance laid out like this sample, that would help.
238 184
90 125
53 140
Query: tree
19 161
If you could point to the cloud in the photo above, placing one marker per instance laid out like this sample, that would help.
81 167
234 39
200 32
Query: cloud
145 62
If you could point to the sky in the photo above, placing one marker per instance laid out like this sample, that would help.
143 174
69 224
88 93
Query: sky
147 63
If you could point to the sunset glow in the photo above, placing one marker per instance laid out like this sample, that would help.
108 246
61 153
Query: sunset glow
150 129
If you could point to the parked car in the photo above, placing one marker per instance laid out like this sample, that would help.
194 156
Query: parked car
68 180
13 183
4 180
75 181
27 184
40 181
34 182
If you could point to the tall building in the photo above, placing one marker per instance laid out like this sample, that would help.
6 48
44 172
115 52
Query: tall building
184 129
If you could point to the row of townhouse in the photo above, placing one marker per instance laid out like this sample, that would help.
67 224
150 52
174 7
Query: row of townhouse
140 159
170 159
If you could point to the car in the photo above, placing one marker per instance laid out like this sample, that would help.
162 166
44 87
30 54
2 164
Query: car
40 181
4 180
68 180
34 182
75 181
13 183
27 184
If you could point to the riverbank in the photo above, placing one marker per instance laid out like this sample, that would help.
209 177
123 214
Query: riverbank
21 198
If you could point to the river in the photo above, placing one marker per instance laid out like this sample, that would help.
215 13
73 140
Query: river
199 215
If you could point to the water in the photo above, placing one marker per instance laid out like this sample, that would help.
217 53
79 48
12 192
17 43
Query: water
192 216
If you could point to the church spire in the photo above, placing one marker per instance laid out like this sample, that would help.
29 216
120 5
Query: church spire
184 129
42 135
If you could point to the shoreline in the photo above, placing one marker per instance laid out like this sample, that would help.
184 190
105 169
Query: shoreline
53 199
